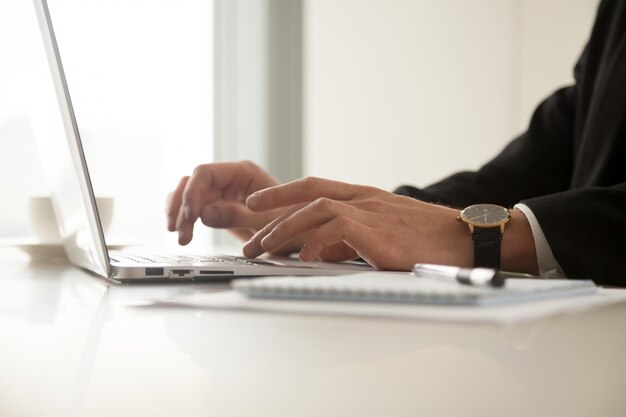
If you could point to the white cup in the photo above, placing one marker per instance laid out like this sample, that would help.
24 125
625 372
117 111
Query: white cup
44 224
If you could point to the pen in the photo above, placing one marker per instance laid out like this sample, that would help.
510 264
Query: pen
468 276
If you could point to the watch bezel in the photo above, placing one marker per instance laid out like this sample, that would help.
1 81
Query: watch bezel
499 223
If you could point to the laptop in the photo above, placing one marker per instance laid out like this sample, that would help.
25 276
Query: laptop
65 166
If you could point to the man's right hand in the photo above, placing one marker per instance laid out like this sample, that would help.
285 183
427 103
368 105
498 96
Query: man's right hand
216 194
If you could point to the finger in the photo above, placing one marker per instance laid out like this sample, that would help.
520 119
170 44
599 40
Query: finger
184 228
253 248
337 252
310 217
293 246
212 182
233 216
174 200
225 215
205 180
302 191
360 237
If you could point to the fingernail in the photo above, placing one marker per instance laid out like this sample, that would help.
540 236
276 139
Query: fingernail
253 200
245 247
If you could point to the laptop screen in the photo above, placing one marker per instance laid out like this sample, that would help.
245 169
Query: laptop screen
64 165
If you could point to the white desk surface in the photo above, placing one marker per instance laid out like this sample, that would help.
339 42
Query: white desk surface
68 347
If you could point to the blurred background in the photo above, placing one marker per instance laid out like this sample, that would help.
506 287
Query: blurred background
379 92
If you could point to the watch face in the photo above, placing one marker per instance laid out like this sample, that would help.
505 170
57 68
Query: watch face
485 215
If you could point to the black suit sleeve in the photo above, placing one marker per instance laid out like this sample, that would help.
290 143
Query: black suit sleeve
586 230
538 162
585 227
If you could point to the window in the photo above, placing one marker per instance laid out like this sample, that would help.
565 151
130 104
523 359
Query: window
141 78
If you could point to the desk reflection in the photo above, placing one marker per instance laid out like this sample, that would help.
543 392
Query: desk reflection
87 348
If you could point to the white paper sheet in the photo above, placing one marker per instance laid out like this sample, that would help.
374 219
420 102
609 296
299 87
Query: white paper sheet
502 314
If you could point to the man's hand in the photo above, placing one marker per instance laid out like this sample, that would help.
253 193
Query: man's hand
332 221
216 194
343 221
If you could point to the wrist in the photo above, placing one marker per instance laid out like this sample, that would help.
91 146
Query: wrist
518 245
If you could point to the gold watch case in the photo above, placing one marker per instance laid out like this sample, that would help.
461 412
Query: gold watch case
486 216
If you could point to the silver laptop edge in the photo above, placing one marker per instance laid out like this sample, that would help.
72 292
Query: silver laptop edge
78 218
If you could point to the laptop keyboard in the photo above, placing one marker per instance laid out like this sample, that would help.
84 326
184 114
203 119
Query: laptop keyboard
187 259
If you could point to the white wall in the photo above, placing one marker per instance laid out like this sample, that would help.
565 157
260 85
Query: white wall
408 91
554 34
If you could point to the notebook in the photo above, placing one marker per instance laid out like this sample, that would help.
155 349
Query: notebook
407 288
65 166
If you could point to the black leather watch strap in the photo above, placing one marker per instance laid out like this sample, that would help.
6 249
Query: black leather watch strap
487 247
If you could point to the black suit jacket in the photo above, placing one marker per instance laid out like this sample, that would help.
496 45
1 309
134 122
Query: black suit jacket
570 166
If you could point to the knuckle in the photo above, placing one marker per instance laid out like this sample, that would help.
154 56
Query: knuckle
248 164
367 190
323 203
344 222
406 199
200 169
309 181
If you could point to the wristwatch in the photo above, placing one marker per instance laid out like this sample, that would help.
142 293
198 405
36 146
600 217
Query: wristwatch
486 223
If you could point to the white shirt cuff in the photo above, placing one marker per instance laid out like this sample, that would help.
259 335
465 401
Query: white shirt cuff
548 266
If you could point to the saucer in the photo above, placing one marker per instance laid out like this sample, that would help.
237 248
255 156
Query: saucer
38 250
